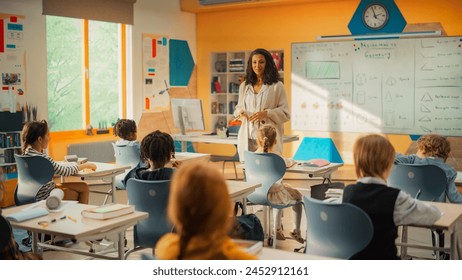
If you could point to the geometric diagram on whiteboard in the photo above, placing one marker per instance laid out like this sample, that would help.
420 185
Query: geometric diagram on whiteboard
427 97
388 97
181 63
322 70
426 129
361 97
426 68
361 79
391 81
312 148
425 119
376 16
390 118
424 109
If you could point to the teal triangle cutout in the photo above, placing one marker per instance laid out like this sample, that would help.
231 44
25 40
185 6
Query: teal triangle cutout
312 148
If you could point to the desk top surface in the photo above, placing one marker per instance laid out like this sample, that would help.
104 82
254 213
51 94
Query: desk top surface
81 227
452 213
103 169
195 137
237 188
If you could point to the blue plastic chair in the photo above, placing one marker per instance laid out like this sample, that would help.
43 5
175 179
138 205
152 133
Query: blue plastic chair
337 230
125 155
33 173
267 169
423 182
151 197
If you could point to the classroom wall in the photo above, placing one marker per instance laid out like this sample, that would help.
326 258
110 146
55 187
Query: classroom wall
151 16
277 27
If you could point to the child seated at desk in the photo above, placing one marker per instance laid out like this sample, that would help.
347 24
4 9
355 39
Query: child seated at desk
157 149
35 137
200 208
126 130
386 206
280 193
434 149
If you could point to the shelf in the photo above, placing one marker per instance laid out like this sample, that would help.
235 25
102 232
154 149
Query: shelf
224 83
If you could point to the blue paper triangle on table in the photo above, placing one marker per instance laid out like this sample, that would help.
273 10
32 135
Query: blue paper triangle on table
314 148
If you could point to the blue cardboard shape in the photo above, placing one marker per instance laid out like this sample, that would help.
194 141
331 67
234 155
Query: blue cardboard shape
189 147
312 147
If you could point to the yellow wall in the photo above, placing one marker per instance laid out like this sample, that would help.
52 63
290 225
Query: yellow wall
277 27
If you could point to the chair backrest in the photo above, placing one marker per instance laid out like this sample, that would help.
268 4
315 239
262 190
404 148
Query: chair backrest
424 182
151 197
33 173
264 168
337 230
125 155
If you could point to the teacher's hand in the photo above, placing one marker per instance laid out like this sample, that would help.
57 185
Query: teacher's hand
258 116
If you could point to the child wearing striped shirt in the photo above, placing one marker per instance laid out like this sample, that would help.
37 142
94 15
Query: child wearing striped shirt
35 137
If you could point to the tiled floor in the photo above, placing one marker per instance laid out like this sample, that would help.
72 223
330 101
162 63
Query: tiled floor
421 236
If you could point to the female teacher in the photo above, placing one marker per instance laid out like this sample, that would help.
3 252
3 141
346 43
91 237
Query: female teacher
262 100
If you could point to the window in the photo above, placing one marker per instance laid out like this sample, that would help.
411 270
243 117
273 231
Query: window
84 72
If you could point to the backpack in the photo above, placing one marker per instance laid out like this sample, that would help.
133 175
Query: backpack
246 227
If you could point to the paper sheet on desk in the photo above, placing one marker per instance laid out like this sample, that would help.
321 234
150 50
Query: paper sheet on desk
28 214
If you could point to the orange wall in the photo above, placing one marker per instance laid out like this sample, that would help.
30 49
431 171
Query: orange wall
279 26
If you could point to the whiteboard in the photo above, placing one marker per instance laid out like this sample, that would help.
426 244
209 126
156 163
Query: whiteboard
399 86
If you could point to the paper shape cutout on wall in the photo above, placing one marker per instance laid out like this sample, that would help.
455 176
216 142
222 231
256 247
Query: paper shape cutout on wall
414 137
181 63
312 148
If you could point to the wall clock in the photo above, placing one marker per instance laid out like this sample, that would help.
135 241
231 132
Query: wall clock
377 16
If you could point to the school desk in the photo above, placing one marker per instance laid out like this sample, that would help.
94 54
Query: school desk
239 190
324 172
105 172
76 227
215 139
452 215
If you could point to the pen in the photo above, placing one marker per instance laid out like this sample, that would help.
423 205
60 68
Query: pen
72 218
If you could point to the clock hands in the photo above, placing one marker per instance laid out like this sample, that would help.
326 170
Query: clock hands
375 16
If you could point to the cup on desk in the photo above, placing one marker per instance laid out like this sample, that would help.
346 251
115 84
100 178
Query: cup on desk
54 200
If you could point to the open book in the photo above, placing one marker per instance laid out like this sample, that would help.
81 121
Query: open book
108 211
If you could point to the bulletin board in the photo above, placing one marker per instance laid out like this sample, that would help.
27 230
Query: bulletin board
12 62
155 72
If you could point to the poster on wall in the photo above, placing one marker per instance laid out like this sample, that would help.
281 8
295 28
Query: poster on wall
155 73
12 62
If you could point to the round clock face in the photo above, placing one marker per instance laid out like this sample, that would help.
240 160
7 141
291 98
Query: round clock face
375 16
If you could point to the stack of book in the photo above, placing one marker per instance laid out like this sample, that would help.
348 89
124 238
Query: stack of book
108 211
236 65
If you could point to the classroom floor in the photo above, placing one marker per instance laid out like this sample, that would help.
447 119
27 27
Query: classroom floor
420 236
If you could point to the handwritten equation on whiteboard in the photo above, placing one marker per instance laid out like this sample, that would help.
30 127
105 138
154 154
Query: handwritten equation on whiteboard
402 86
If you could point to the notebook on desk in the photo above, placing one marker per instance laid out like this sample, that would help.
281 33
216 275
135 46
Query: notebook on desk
314 163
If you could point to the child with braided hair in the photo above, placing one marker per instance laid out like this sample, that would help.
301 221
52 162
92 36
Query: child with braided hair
157 149
280 193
